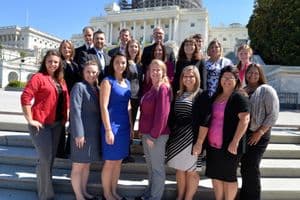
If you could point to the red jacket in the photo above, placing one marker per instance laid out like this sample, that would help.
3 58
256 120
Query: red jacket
42 90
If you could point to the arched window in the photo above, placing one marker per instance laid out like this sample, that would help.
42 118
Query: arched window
13 76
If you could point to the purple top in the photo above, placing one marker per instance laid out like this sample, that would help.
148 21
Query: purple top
215 132
155 108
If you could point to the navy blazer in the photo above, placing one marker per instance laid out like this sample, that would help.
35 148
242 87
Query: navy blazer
91 54
85 117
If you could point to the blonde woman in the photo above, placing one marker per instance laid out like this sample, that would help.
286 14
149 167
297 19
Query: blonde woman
244 54
180 143
155 108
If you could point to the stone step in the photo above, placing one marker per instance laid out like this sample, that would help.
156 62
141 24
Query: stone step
15 121
285 135
280 135
14 194
12 122
27 157
130 185
283 151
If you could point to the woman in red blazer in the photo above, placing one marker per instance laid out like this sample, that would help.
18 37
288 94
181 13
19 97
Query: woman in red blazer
45 104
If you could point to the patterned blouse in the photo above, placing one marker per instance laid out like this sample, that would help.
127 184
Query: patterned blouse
213 73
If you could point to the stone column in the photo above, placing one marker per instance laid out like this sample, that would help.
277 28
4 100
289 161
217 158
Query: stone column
134 29
110 33
175 36
144 33
159 22
107 33
170 29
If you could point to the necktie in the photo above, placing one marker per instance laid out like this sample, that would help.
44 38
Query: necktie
101 59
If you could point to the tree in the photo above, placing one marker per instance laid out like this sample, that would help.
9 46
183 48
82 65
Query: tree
274 31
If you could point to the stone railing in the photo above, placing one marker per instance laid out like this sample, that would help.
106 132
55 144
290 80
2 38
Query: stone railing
286 81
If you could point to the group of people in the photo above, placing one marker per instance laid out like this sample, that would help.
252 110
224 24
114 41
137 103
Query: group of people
187 105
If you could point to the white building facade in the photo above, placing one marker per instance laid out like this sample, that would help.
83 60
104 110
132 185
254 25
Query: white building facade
229 36
27 38
21 51
177 22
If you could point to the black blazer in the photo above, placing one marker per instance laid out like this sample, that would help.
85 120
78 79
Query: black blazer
91 54
146 57
236 104
200 113
72 74
78 53
113 51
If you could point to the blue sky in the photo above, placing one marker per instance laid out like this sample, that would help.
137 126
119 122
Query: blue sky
62 18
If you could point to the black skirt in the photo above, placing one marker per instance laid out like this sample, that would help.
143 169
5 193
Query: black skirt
221 164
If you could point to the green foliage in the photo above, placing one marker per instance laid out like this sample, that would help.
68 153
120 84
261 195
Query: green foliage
16 84
22 54
274 30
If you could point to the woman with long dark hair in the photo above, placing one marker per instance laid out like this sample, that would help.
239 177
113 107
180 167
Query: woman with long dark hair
229 118
46 117
264 113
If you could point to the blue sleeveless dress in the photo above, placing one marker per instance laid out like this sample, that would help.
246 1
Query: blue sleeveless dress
119 119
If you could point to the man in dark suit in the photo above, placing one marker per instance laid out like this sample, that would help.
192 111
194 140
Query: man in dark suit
158 36
124 37
87 32
98 54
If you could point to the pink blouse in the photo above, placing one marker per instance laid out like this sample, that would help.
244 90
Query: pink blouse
215 132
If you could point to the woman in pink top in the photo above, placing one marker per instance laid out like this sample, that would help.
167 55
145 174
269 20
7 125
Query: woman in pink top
155 108
229 118
244 54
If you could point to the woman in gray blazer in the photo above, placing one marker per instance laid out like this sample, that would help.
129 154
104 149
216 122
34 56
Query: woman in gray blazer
85 129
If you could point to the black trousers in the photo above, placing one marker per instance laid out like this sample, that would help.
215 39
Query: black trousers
250 161
63 149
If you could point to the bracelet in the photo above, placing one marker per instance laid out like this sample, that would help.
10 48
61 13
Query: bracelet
261 132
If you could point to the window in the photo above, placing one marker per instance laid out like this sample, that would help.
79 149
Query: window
142 27
224 39
152 26
193 24
166 37
132 28
166 25
13 76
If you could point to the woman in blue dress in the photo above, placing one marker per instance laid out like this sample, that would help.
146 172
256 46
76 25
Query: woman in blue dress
116 129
